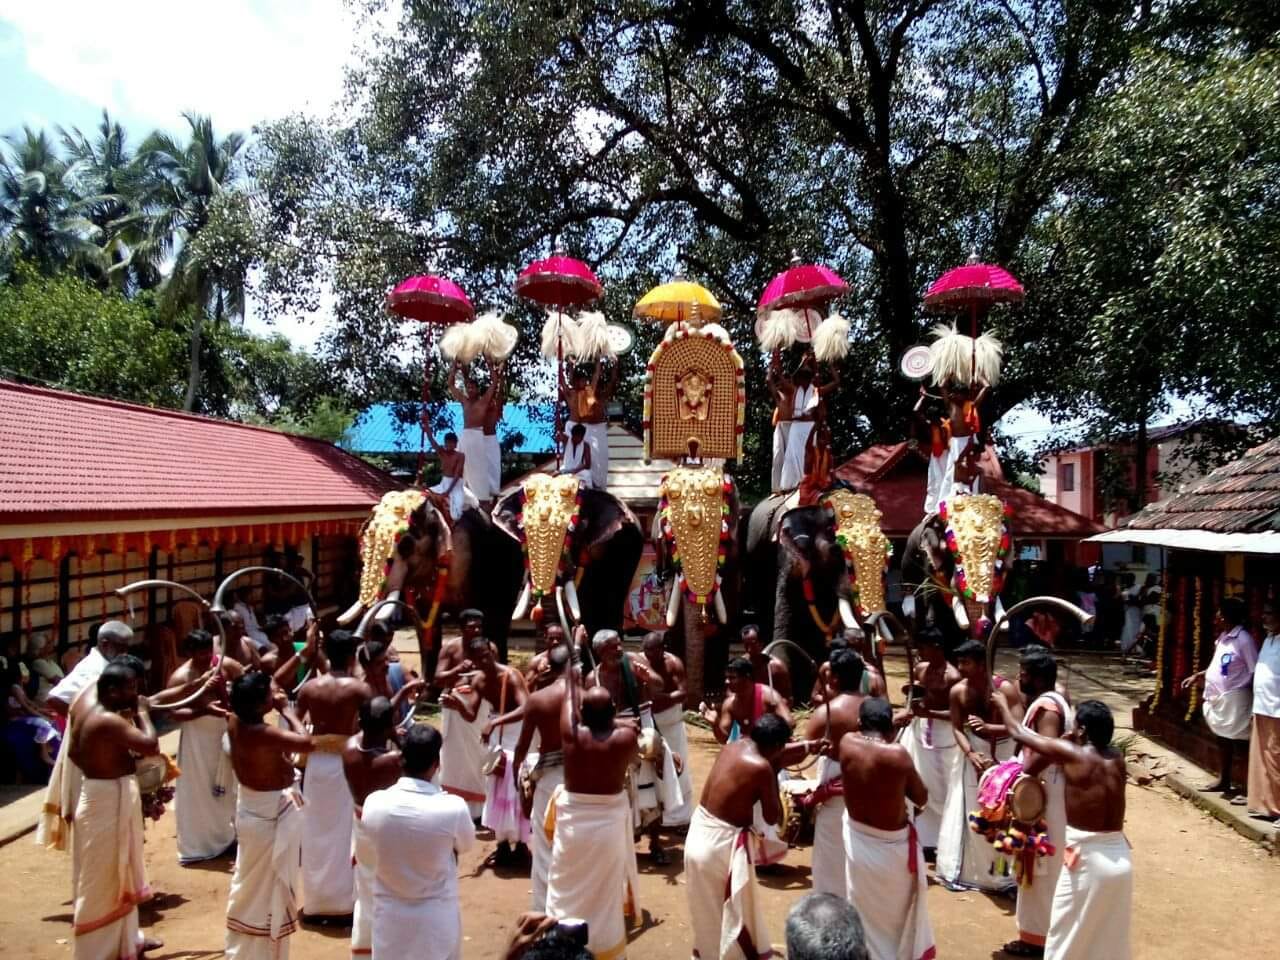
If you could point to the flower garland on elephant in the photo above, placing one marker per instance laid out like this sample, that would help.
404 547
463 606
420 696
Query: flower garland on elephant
1196 637
677 563
1002 555
847 549
385 540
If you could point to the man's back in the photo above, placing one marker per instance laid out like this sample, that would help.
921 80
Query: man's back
598 763
369 770
877 778
835 718
1095 790
332 703
416 829
739 779
542 713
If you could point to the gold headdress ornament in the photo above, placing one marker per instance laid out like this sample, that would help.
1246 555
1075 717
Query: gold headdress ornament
959 358
548 514
979 540
389 522
692 511
866 548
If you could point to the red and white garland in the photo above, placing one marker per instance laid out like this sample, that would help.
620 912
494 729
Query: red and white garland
669 534
1002 555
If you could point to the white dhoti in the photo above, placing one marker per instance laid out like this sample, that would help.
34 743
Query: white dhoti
475 468
503 812
806 401
1230 715
1093 900
779 454
887 886
598 439
724 907
328 879
931 744
670 723
54 829
205 794
461 498
593 867
462 758
1036 892
965 858
113 877
493 460
261 907
574 457
550 775
829 861
363 856
941 481
770 847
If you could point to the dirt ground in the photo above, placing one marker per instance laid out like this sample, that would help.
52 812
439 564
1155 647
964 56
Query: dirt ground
1200 891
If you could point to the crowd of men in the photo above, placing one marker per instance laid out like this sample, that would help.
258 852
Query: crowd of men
568 764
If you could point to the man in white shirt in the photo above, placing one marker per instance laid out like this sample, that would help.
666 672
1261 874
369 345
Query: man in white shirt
114 638
416 832
1264 745
253 630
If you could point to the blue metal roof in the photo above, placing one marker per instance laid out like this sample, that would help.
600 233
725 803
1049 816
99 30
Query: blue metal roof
392 428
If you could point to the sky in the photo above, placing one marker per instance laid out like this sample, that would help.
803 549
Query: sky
240 61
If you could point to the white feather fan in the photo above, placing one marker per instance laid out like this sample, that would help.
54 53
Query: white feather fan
495 338
460 343
559 335
592 336
776 329
831 339
957 358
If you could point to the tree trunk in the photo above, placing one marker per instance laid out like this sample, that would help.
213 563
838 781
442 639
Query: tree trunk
695 653
1140 449
193 376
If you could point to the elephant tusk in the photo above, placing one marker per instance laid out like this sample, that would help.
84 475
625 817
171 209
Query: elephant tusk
721 613
673 605
846 613
962 615
571 598
522 604
352 612
1001 619
389 609
883 630
909 605
564 623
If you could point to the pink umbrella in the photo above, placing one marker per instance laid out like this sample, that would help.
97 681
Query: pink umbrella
802 285
972 286
433 301
559 281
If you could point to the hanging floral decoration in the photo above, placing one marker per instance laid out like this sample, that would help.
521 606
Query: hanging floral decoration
1161 637
566 556
677 562
828 627
1196 637
1001 561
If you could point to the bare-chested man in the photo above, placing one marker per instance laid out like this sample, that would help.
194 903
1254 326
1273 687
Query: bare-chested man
588 401
205 794
593 871
541 721
745 703
741 788
238 645
536 672
108 833
261 909
374 662
371 761
454 490
453 660
492 417
668 715
831 721
767 669
1093 900
965 858
476 407
885 878
783 391
929 737
331 705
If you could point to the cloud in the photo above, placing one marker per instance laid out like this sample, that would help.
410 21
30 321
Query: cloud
240 61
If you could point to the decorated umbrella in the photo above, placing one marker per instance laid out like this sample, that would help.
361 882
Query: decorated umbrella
433 301
973 286
679 301
559 281
801 287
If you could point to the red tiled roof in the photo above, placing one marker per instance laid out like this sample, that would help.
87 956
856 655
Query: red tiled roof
64 456
893 474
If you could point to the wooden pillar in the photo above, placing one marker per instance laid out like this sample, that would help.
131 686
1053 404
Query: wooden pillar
64 603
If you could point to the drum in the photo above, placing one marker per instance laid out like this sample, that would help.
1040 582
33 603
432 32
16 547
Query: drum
1006 793
151 773
796 824
1027 799
494 762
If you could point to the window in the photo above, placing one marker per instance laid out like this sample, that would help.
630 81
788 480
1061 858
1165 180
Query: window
1067 477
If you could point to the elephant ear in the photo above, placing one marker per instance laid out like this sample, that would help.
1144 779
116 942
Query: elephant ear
602 517
505 514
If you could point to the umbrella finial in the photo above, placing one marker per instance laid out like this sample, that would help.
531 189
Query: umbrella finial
795 257
973 255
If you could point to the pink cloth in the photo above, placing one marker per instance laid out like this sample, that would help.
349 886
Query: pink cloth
1234 657
995 786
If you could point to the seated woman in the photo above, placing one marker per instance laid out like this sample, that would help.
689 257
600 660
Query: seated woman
43 663
28 731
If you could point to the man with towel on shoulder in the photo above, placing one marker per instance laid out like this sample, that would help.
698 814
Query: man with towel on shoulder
593 873
720 851
371 761
112 876
331 705
929 736
668 715
1093 900
886 875
262 909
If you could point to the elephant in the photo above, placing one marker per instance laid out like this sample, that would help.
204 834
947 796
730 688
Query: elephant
792 555
410 553
698 516
602 551
954 567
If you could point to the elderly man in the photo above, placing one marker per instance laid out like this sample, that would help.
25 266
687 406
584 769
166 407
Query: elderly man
112 879
536 673
823 926
114 638
262 910
593 872
205 794
415 832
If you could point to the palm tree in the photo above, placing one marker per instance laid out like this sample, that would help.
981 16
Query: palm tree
40 219
184 187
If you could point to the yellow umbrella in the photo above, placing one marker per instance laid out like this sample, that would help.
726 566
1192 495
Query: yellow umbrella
680 300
